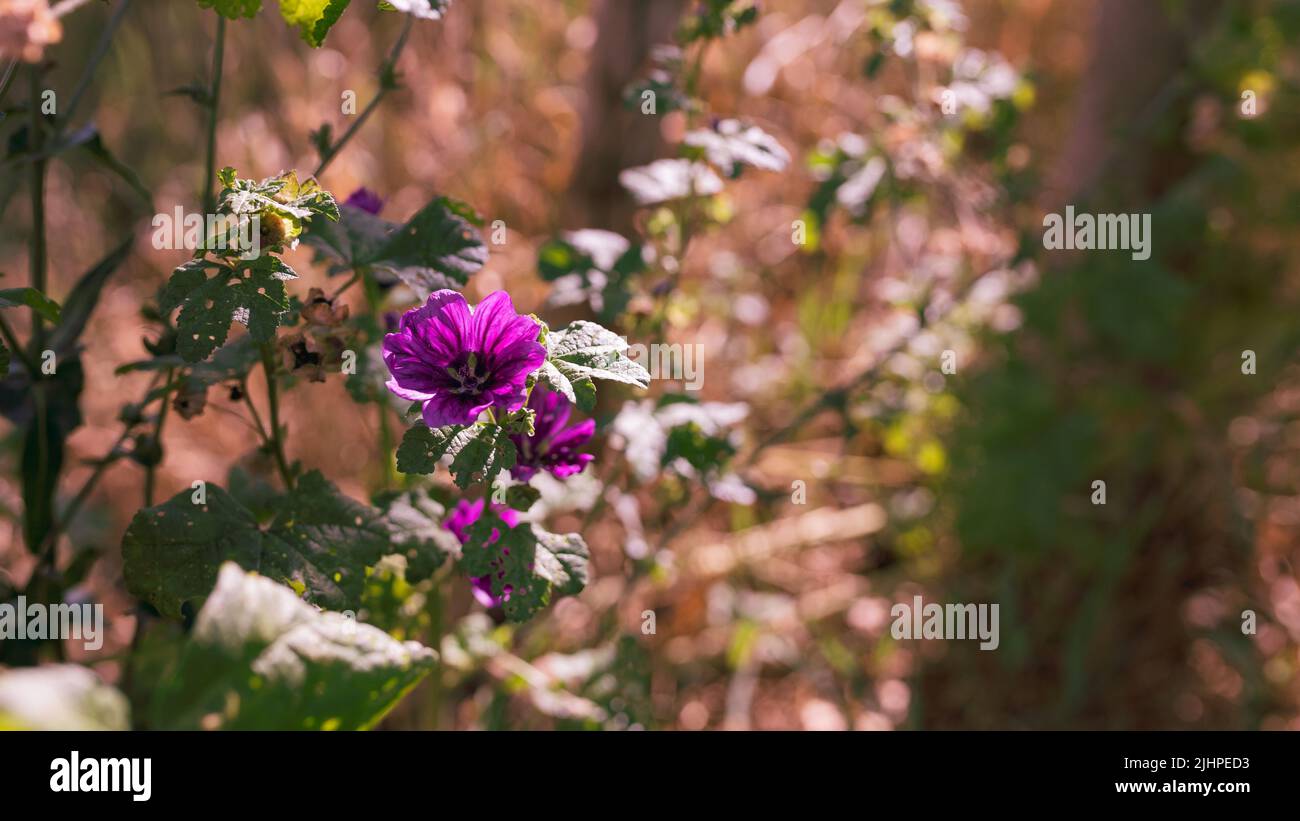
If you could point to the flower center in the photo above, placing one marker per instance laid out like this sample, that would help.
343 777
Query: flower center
469 374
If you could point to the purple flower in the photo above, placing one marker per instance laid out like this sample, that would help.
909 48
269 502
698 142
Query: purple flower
552 446
459 523
366 200
458 362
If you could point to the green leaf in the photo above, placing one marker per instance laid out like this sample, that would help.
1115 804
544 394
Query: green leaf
586 351
479 451
282 205
30 298
422 447
83 298
439 247
320 543
261 659
527 563
482 451
418 533
314 18
60 697
42 460
4 359
233 9
252 293
522 497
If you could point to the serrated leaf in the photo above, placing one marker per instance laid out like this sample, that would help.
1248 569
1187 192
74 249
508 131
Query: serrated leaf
30 298
253 293
320 542
558 382
422 447
418 533
481 452
260 658
439 247
233 9
522 497
353 241
584 339
587 351
527 566
314 18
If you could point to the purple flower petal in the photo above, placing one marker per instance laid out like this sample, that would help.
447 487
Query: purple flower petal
459 523
366 200
459 362
552 446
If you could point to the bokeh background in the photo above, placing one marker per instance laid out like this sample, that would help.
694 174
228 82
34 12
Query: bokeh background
966 487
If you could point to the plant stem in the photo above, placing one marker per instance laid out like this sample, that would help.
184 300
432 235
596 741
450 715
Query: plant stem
385 85
276 438
7 79
38 251
214 103
151 471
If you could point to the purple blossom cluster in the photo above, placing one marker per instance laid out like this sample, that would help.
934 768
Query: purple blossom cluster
460 362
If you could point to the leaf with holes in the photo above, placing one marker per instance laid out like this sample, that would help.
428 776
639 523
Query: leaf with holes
416 524
527 566
422 447
252 293
320 543
479 452
259 658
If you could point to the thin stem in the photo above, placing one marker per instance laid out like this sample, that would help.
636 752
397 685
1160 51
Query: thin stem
385 85
257 417
352 280
373 299
7 80
151 470
214 104
74 507
273 401
38 250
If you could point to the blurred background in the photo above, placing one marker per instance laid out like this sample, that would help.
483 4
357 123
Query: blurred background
870 474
